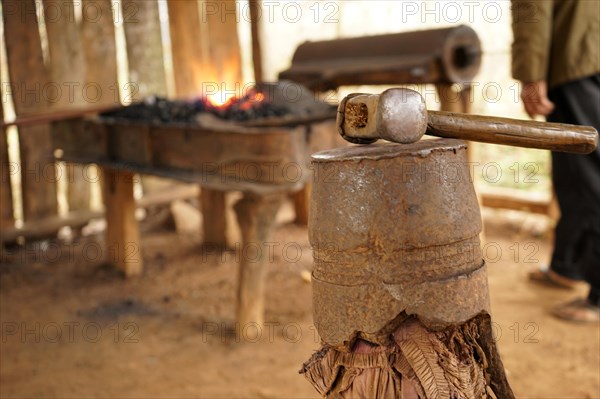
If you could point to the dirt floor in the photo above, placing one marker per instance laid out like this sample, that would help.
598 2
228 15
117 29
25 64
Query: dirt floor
73 328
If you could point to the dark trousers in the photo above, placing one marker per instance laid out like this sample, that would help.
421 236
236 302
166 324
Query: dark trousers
576 181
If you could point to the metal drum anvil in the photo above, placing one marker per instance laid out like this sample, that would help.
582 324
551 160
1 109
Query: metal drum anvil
395 229
399 286
400 292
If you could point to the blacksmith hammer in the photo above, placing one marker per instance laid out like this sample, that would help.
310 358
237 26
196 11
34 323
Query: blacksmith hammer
400 115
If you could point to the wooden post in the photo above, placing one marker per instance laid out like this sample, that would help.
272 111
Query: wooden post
302 204
67 71
255 13
122 233
189 62
29 81
256 216
213 216
452 100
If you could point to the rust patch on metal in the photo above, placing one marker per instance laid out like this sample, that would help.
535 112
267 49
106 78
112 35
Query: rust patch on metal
395 228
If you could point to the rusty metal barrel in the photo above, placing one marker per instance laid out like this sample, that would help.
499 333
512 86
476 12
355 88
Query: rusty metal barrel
448 55
395 231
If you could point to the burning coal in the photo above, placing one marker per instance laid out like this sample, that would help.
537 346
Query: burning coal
269 101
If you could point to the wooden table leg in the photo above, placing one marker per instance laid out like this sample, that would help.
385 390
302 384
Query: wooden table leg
122 233
213 216
301 204
256 217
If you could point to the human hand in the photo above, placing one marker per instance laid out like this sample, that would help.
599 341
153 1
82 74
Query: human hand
535 98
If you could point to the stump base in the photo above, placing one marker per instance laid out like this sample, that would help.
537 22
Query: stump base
459 362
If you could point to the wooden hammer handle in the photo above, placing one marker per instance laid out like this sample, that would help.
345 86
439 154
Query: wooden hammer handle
531 134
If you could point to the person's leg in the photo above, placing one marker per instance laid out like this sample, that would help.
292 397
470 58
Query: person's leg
567 232
586 310
578 179
574 176
594 297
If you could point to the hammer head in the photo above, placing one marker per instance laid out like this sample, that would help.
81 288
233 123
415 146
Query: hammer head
397 115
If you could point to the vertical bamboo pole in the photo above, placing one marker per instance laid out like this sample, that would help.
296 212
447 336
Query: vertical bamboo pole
255 12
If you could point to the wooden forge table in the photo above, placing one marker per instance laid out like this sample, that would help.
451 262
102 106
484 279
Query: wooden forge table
265 163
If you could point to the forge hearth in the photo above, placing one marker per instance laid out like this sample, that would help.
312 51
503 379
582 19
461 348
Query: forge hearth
261 148
249 144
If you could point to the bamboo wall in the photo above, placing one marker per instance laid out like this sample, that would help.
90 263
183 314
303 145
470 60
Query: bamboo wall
70 54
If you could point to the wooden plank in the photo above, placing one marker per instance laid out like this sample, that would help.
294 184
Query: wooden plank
99 49
6 211
509 199
144 48
166 196
81 138
66 63
48 227
45 228
189 61
56 115
213 216
122 233
67 73
29 84
275 156
223 44
130 143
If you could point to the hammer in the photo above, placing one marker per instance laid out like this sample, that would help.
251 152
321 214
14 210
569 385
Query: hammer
400 115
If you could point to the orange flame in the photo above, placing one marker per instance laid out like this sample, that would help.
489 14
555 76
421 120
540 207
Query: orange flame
220 99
